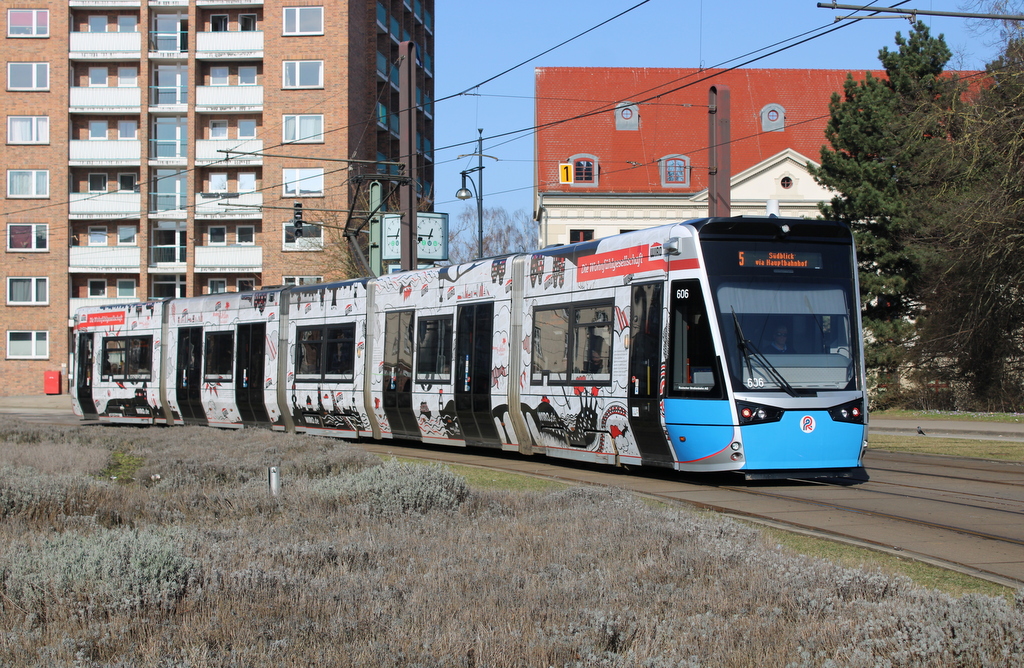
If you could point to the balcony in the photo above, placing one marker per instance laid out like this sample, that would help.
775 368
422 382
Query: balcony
106 259
105 46
167 259
236 206
229 99
105 100
209 151
229 3
168 44
234 45
229 259
168 205
105 153
95 206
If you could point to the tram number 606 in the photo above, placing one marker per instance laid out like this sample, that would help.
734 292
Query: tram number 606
754 382
683 293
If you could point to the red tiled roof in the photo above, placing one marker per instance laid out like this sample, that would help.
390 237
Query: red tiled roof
673 104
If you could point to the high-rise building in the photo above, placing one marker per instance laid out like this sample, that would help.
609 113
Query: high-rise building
157 148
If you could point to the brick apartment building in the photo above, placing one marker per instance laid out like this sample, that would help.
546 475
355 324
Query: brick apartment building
637 142
119 115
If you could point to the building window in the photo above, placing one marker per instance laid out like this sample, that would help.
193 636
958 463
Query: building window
126 288
168 285
245 235
97 23
215 286
24 291
246 182
310 239
127 23
675 171
98 236
28 23
126 235
584 170
576 236
304 182
218 236
218 129
219 76
301 280
98 77
97 183
127 182
97 287
247 75
127 77
786 182
303 74
28 129
303 20
127 130
28 76
245 285
28 345
219 23
246 128
97 130
28 183
218 182
247 22
28 237
304 128
773 118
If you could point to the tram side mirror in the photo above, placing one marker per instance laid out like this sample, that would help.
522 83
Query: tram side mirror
672 246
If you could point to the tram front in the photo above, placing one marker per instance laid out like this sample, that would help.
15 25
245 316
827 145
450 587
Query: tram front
778 365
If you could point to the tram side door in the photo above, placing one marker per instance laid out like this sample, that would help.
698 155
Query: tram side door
398 345
83 373
189 375
644 392
250 356
474 346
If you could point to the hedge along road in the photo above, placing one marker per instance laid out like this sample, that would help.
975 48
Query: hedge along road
963 514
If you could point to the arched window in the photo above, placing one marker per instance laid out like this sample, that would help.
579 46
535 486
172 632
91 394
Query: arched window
584 170
675 171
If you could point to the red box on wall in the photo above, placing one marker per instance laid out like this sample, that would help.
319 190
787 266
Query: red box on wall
51 382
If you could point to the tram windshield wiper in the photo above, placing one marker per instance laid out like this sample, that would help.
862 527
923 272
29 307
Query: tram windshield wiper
750 352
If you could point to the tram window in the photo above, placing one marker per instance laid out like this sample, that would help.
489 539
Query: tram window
308 348
582 336
340 352
434 350
693 365
219 357
128 357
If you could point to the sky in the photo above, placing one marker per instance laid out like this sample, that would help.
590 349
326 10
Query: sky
476 40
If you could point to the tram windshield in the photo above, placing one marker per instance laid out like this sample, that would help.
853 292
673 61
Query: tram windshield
789 336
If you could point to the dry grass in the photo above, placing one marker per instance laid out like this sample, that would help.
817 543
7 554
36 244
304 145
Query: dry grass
362 564
1012 451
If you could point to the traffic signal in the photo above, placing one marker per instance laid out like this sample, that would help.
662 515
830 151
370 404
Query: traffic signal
297 218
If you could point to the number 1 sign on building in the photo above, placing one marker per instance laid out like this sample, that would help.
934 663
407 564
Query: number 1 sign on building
565 174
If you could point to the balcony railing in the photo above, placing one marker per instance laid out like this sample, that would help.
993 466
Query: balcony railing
111 152
233 44
165 203
168 96
168 149
229 205
210 150
212 259
167 255
229 98
169 44
105 45
106 100
116 259
85 206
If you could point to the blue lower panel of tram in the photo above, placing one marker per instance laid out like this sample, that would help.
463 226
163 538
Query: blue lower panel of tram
802 440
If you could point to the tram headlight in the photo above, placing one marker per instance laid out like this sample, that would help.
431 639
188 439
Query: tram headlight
756 414
852 412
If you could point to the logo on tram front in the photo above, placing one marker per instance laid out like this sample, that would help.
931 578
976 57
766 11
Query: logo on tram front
807 424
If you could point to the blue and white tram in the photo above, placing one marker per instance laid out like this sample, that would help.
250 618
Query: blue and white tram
722 344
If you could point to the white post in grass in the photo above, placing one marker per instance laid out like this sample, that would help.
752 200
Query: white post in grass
274 480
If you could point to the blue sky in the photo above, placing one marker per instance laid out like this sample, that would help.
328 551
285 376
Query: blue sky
478 39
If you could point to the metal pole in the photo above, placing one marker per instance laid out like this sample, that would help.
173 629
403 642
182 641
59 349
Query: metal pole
480 194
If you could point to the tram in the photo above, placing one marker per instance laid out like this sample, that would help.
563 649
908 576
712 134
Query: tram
718 344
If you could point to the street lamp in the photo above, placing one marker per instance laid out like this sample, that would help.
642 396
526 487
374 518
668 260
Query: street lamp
478 185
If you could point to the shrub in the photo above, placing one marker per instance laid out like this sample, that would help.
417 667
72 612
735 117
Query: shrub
396 488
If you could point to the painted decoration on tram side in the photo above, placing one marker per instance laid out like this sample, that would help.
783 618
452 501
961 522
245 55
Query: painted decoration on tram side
647 257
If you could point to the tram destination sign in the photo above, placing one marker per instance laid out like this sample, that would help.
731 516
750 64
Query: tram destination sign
779 259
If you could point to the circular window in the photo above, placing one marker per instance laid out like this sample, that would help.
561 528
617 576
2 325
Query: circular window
627 113
786 182
773 115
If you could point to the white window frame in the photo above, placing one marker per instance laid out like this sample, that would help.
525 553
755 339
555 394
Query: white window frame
242 18
252 235
36 337
293 18
127 130
664 172
248 75
122 288
249 284
94 284
291 125
94 73
39 129
247 122
221 283
128 77
227 22
93 235
293 74
223 235
94 17
36 29
120 182
218 129
89 183
222 177
94 130
312 238
243 176
127 235
35 236
301 280
127 21
36 281
37 191
308 176
220 75
40 75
